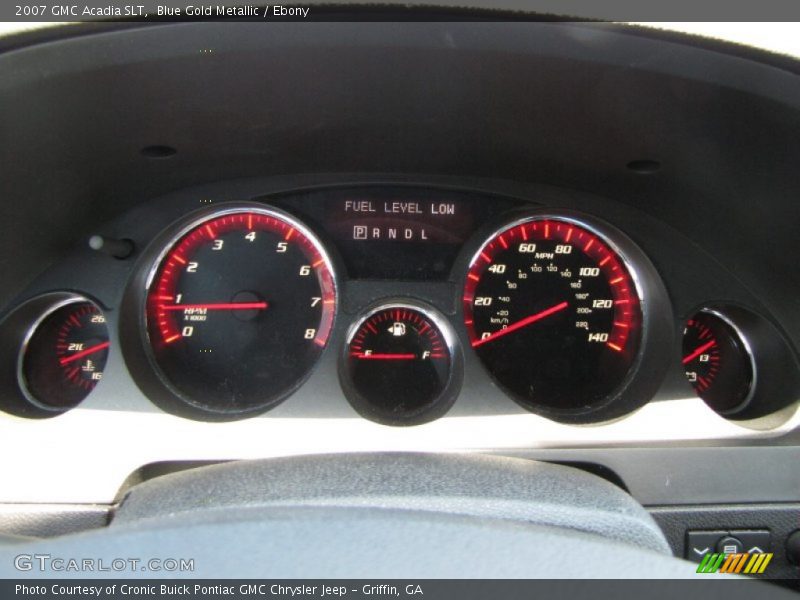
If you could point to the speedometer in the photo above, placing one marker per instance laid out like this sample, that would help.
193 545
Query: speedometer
554 312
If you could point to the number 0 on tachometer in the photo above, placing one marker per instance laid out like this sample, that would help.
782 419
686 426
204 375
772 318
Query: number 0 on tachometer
239 308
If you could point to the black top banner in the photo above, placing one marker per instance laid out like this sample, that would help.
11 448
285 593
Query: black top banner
607 10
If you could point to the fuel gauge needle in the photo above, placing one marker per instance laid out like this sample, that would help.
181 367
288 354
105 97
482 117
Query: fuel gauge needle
384 356
521 323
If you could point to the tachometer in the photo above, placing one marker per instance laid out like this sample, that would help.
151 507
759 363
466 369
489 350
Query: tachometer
238 310
554 312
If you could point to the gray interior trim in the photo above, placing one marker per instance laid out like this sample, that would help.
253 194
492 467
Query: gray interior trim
50 520
474 485
338 542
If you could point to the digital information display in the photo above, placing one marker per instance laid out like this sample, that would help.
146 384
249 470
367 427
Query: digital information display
396 232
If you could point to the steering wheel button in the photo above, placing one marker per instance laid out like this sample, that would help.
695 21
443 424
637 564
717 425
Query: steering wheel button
700 543
754 541
730 545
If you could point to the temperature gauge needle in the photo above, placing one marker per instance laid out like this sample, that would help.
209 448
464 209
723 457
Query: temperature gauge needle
218 306
698 352
91 350
522 323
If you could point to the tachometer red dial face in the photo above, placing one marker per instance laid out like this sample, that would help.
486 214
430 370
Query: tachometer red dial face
552 311
239 310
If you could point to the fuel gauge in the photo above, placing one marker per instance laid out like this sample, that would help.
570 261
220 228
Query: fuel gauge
399 367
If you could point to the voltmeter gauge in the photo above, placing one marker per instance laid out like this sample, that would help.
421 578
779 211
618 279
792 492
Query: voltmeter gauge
718 361
399 365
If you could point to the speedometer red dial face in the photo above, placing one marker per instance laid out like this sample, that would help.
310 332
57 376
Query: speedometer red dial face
552 311
239 310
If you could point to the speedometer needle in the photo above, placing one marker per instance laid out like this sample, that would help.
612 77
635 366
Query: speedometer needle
698 352
90 350
522 323
218 306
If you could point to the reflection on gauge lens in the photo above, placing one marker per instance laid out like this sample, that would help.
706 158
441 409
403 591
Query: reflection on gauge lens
553 313
398 365
717 362
65 357
240 310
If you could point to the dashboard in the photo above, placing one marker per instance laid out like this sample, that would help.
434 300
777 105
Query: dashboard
485 319
577 266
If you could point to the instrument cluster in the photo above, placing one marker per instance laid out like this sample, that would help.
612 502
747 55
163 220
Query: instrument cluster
228 310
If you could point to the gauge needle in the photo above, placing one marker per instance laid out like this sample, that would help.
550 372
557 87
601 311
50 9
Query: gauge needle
698 352
91 350
522 323
219 306
365 356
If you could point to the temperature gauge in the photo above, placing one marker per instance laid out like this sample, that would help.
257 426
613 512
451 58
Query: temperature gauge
64 356
717 361
398 366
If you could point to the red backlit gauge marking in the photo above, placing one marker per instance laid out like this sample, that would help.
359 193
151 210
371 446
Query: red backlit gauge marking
238 309
66 332
553 313
374 326
78 332
594 248
711 348
167 280
397 365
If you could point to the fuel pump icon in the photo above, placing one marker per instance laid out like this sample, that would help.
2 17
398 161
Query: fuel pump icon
397 329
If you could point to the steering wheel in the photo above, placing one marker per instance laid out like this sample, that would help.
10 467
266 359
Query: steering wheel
394 515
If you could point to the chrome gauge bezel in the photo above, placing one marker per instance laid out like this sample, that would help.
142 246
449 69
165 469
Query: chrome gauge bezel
18 328
747 347
657 336
135 338
446 398
68 299
775 384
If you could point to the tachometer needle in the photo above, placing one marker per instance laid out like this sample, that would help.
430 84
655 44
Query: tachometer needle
218 306
366 356
90 350
522 323
698 352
